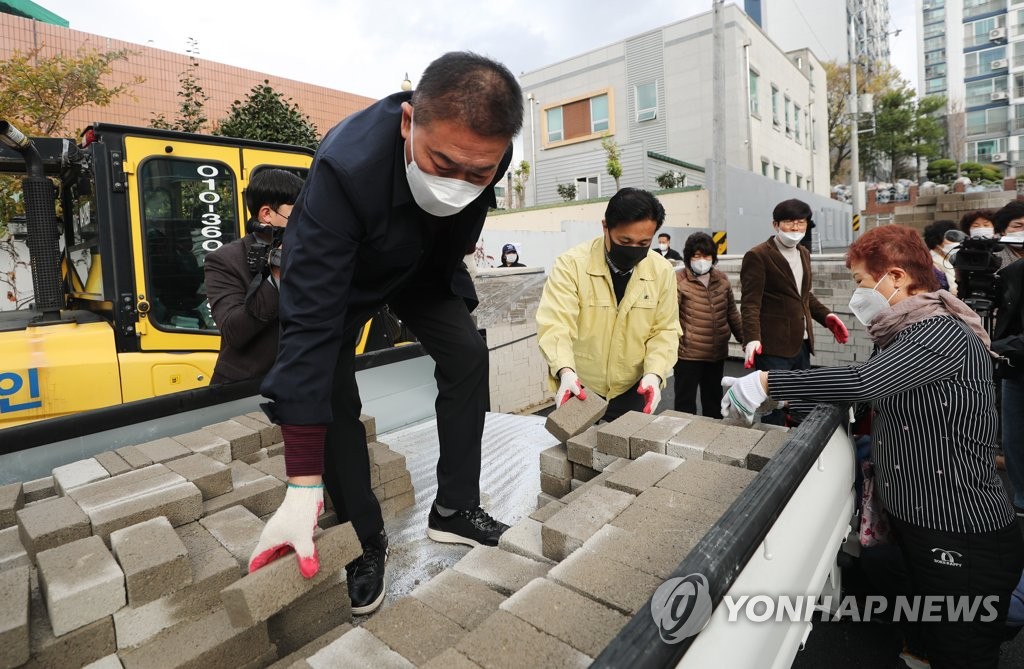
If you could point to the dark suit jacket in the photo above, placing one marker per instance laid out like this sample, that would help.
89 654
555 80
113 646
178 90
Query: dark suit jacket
248 325
773 312
355 241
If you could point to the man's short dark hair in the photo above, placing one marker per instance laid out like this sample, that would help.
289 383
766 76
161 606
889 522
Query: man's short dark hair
665 235
272 188
970 217
700 241
630 205
476 91
1011 212
792 210
935 233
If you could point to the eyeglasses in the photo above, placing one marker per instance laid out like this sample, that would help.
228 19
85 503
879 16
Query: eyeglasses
280 214
796 226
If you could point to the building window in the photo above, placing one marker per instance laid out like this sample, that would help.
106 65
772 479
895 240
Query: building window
789 115
987 121
587 188
776 172
646 101
775 106
799 181
555 125
796 124
933 86
789 177
986 91
765 165
979 33
755 107
578 119
984 62
598 113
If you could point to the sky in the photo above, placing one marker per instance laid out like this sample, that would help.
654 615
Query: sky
367 47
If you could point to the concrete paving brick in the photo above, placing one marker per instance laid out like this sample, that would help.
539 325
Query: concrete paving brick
555 487
275 449
582 473
212 477
391 465
691 442
137 496
566 531
662 528
273 467
238 530
162 450
615 465
681 505
575 416
414 630
500 570
369 426
609 582
681 414
268 591
524 538
50 523
548 510
113 463
465 600
398 486
317 612
568 616
77 473
81 583
109 662
269 434
310 648
357 648
261 495
580 449
14 614
253 458
766 448
201 441
543 499
38 489
554 462
260 416
244 440
153 558
653 555
74 649
12 498
653 436
504 641
613 437
210 641
12 552
451 659
392 506
732 445
712 481
642 473
134 457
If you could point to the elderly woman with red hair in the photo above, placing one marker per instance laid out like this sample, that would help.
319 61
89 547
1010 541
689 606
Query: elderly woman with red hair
933 438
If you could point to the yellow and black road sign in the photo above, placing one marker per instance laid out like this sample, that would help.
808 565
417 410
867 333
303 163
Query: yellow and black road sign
856 222
720 240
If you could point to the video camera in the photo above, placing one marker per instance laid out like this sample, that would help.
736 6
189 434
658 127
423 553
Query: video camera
262 255
978 283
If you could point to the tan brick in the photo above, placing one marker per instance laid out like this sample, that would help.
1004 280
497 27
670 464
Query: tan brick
414 630
466 600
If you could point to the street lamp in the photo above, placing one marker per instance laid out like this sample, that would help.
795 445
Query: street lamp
533 146
406 83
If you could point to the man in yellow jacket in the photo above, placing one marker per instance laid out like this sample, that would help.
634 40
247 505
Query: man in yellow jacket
608 318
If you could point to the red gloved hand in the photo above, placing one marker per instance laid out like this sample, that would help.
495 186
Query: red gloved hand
291 529
839 331
569 385
650 388
749 351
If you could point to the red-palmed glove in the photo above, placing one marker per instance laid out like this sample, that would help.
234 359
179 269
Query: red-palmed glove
650 388
749 351
291 529
839 331
569 385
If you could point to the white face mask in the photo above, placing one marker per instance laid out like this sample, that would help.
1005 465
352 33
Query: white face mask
867 303
790 239
982 233
948 247
511 257
439 196
1013 237
700 266
663 246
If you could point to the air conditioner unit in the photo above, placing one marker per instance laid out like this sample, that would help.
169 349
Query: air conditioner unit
1000 64
997 34
998 157
1000 95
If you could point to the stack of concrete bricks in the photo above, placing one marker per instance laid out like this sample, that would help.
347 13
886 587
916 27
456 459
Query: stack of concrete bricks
122 558
936 206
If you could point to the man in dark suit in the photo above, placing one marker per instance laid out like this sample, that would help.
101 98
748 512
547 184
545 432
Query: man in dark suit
665 249
243 295
396 197
777 304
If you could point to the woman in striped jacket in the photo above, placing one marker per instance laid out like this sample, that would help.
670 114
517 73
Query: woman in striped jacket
933 439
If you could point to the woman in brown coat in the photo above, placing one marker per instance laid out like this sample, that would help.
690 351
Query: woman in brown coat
708 314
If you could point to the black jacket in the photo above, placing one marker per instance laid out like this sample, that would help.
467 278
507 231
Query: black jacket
1008 336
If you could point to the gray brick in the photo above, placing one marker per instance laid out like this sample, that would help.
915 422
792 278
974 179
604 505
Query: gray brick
50 523
524 538
662 528
653 436
134 457
504 641
113 463
580 449
451 659
201 441
211 641
566 531
609 582
391 465
14 614
369 426
613 437
212 477
81 583
392 506
12 552
548 510
553 486
164 449
642 473
650 554
691 442
575 416
244 440
253 458
312 647
500 570
398 486
111 661
712 481
543 499
766 449
12 498
38 489
582 473
317 612
269 434
269 590
357 648
732 446
74 649
465 600
261 495
273 467
153 558
238 530
554 462
681 505
568 616
414 630
78 473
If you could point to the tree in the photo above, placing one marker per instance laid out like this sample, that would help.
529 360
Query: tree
905 130
927 132
267 116
520 176
612 165
191 114
567 192
37 93
880 80
671 179
956 133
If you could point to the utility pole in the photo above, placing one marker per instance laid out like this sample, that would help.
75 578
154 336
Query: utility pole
854 124
532 101
718 195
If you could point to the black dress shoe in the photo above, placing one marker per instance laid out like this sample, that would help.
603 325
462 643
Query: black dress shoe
474 527
365 576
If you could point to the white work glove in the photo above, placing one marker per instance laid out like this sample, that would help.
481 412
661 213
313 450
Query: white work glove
292 528
569 385
650 388
743 396
751 349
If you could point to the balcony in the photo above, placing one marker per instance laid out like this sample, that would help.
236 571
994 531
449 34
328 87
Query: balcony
1017 124
984 8
987 128
986 157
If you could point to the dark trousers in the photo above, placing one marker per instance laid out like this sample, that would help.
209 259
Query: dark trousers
689 375
631 400
986 564
447 333
767 363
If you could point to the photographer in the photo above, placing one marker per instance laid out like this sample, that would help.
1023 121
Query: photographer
242 280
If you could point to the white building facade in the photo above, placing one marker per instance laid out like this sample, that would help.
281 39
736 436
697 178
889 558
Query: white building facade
653 94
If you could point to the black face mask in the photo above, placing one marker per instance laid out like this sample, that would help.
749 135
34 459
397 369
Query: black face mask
626 258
